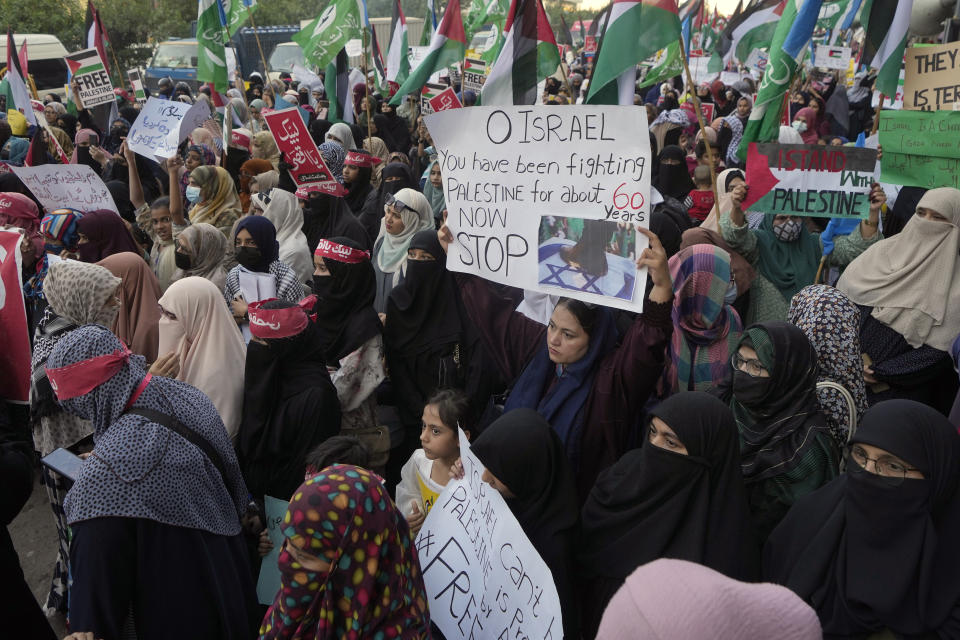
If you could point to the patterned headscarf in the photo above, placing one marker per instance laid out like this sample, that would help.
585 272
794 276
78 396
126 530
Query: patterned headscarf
61 225
334 155
706 330
832 324
373 589
140 469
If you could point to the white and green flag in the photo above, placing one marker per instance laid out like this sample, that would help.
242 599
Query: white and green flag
329 32
398 55
753 30
237 14
212 56
447 47
885 40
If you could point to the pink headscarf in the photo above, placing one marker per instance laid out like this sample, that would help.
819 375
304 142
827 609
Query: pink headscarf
811 135
83 135
678 599
17 210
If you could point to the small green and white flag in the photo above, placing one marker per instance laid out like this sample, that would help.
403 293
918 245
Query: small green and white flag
885 40
212 56
329 32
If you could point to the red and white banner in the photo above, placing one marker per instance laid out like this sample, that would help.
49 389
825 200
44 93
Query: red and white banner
447 99
298 147
14 335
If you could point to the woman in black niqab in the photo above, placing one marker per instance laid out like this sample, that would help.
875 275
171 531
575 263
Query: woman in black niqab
870 555
657 503
673 178
325 216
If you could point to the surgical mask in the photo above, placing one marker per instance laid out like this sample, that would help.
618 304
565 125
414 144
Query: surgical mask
731 294
800 126
182 260
193 194
249 258
787 231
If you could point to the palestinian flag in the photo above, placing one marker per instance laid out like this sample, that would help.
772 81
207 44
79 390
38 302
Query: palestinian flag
398 61
886 38
18 97
752 30
96 35
447 48
688 13
637 29
376 55
133 75
529 55
87 64
336 83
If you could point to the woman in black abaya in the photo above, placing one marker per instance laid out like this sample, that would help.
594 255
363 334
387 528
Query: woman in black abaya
673 178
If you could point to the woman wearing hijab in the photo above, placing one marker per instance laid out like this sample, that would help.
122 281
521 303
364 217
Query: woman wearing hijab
670 598
77 294
787 254
369 552
357 171
283 210
524 460
572 371
706 328
723 107
673 179
289 404
806 124
350 331
264 147
249 170
341 134
785 444
83 140
137 323
68 122
392 128
334 155
680 495
318 130
832 324
908 291
378 149
395 176
405 214
150 502
326 214
200 249
102 234
433 190
214 198
873 551
198 328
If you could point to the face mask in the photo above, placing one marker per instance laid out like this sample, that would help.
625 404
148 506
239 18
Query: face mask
249 257
787 231
800 126
731 294
749 391
118 132
193 194
182 260
55 249
322 285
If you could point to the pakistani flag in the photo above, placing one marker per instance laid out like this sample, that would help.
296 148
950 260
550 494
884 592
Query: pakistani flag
212 65
529 54
429 24
237 14
329 32
636 30
447 48
885 40
398 55
786 50
753 30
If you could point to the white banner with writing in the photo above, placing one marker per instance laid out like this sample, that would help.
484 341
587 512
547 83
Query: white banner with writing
162 125
548 199
73 186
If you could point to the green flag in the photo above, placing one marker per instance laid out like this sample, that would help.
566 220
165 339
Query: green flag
212 64
239 10
667 64
329 32
484 12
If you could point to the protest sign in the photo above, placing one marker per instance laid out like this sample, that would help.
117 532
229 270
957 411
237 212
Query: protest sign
428 93
137 83
15 337
474 74
810 180
298 147
74 186
590 43
268 584
91 77
483 576
828 57
446 99
758 59
162 125
931 80
706 108
920 149
547 199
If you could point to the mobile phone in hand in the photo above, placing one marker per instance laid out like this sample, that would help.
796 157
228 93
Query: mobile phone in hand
63 462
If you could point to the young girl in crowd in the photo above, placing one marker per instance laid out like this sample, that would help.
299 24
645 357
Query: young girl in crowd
427 471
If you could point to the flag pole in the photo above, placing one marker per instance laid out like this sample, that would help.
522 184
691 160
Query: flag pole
366 84
703 128
876 116
256 36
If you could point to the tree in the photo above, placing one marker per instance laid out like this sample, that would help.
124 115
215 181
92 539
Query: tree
62 19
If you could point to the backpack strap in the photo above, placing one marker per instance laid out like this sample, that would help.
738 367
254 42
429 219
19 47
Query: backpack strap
173 424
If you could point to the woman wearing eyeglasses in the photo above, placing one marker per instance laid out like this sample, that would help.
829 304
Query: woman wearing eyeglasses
405 214
786 450
874 551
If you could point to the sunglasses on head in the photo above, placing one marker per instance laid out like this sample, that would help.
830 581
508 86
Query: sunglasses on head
398 205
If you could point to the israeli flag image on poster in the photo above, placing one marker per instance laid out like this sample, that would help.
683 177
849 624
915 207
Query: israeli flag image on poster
548 199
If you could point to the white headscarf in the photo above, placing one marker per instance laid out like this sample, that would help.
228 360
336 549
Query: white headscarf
343 134
284 212
392 255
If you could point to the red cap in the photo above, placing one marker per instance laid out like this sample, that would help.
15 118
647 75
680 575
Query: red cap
80 378
360 159
278 323
340 252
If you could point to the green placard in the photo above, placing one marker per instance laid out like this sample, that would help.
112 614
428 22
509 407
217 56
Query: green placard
920 148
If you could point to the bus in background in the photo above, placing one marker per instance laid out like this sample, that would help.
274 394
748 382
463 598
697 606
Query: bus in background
44 61
177 59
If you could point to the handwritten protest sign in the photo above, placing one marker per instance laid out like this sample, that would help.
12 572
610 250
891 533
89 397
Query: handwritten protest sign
93 81
446 99
162 125
931 81
474 74
268 584
810 180
298 147
73 186
133 75
828 57
548 199
920 149
484 578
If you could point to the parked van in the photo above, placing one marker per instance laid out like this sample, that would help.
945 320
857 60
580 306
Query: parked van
45 61
178 58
